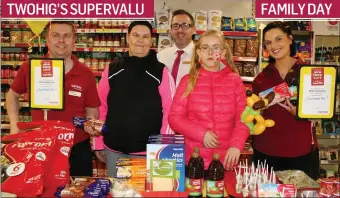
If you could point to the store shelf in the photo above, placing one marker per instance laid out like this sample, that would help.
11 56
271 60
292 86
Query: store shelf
248 59
14 26
103 49
162 31
21 45
5 126
22 104
247 79
11 63
233 33
330 162
6 81
328 136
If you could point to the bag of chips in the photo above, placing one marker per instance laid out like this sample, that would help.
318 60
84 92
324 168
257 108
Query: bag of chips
55 169
24 163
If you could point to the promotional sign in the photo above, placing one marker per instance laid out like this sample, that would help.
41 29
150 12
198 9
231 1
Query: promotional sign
47 83
316 92
77 9
326 27
297 9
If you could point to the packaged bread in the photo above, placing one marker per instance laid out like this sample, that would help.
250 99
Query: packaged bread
251 24
252 47
164 41
26 36
239 24
249 69
227 24
215 17
240 47
162 19
201 19
239 67
230 43
15 37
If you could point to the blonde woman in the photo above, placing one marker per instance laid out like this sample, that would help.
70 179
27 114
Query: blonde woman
208 103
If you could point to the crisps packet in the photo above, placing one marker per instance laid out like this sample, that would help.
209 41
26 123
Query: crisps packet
97 125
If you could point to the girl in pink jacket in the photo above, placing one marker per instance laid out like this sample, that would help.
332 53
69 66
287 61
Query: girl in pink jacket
208 103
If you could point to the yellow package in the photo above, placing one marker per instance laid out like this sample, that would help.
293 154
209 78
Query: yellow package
131 171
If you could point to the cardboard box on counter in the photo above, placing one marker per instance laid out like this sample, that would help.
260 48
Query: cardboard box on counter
165 167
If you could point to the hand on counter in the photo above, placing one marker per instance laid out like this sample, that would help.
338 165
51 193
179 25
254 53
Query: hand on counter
231 158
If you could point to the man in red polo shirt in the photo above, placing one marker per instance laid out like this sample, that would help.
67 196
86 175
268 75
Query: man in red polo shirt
81 96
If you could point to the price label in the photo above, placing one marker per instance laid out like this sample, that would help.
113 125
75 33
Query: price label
99 30
92 30
86 49
112 30
324 162
15 169
7 26
162 31
97 49
106 49
15 26
119 49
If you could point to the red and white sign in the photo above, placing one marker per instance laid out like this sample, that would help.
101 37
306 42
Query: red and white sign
329 27
77 9
297 9
318 76
46 68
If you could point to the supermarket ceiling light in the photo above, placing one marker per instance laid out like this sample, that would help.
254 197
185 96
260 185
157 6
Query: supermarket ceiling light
78 9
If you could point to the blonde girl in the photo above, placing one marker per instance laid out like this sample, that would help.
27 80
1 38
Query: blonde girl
209 101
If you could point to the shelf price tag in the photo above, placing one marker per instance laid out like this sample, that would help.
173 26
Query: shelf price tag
113 30
92 30
99 30
162 31
119 49
106 49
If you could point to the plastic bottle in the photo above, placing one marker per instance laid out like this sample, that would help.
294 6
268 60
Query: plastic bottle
200 159
215 182
194 180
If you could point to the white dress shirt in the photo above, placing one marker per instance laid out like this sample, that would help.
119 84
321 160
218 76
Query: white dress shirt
168 56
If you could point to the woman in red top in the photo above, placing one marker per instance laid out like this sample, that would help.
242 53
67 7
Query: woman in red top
290 144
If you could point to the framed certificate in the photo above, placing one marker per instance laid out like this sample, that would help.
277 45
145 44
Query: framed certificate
316 92
46 83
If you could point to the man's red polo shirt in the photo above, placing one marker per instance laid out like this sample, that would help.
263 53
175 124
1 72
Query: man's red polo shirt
79 80
288 137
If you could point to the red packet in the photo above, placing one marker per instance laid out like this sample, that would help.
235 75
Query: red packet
276 94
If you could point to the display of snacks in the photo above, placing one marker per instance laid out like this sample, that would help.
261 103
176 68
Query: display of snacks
296 177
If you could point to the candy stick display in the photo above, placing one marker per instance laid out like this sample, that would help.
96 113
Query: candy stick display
249 179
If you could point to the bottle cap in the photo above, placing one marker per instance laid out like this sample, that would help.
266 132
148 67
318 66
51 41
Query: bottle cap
216 156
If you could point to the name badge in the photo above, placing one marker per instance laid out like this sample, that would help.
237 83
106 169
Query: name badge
74 93
185 62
